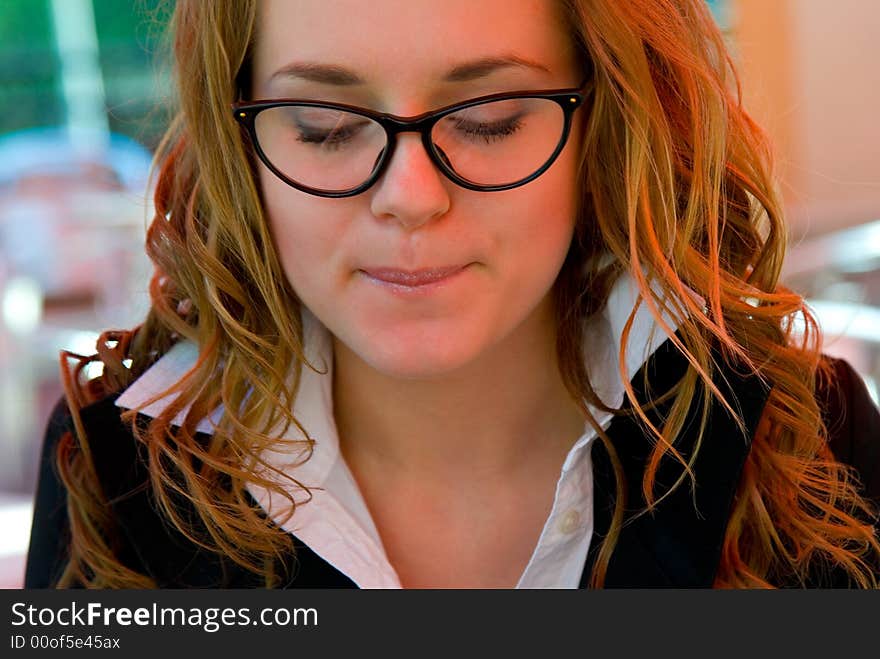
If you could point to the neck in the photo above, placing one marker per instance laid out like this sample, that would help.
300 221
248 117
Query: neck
503 414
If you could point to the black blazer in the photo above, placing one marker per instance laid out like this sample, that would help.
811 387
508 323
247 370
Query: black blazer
678 545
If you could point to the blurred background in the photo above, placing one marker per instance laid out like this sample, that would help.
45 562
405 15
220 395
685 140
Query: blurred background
86 98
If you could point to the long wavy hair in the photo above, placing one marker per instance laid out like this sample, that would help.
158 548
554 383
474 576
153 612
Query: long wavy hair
676 184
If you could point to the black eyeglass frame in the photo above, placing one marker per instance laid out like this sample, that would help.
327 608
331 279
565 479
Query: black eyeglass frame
245 112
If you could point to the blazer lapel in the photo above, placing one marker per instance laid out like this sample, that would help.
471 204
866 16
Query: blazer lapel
150 544
679 543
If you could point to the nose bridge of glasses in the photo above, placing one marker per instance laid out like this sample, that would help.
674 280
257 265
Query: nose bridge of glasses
395 125
421 125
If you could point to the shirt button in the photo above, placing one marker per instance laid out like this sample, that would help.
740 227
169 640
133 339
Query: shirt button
570 521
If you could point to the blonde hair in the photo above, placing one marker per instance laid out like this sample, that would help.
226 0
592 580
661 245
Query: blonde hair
677 186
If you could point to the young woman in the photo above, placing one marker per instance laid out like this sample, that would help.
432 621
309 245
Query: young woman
456 294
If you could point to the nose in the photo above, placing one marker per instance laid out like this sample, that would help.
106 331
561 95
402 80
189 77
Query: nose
411 190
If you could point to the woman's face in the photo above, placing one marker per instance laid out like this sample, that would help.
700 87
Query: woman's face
505 248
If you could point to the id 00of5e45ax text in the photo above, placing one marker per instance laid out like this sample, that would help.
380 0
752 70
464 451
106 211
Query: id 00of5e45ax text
63 642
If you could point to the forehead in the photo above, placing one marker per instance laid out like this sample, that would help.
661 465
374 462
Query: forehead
412 43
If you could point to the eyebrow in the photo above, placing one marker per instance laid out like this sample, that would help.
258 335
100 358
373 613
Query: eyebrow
331 74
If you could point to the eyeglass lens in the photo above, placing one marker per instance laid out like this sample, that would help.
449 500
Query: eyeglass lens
494 143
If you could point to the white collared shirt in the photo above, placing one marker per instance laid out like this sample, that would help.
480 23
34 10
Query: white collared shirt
336 523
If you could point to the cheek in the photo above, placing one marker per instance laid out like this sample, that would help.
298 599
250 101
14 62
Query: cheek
306 231
545 217
538 257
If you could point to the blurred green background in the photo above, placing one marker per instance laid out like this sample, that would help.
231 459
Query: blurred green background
129 35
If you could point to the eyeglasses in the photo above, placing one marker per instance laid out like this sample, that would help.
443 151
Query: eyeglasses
490 143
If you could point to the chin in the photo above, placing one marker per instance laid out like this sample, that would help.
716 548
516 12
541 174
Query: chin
417 358
416 368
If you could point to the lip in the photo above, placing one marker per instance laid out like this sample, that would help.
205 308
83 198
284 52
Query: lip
423 278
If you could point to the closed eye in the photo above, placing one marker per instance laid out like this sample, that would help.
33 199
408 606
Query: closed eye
488 132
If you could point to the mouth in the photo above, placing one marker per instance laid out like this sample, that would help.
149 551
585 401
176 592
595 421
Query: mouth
412 280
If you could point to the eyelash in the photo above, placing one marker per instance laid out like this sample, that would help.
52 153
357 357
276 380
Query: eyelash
339 137
488 132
